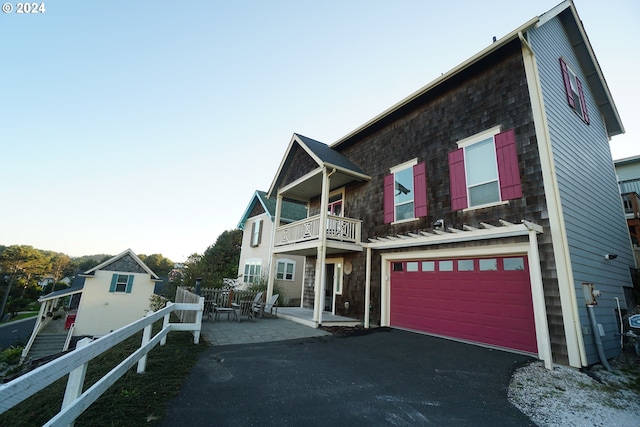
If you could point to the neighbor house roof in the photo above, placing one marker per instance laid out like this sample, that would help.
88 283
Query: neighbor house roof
128 252
290 211
62 293
572 24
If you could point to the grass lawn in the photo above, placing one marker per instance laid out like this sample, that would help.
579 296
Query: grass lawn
21 316
134 400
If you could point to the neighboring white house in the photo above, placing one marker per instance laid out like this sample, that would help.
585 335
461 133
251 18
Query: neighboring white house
255 255
115 293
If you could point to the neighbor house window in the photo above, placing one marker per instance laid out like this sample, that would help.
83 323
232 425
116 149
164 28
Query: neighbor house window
256 233
252 271
484 170
121 283
285 269
405 192
574 92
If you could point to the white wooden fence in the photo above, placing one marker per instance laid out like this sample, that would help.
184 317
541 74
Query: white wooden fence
75 363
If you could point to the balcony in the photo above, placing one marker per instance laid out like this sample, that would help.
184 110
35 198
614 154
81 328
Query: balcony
631 203
301 237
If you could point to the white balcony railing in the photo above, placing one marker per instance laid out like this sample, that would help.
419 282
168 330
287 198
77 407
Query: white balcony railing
338 228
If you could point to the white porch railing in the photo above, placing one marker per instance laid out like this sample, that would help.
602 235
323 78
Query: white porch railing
75 364
338 228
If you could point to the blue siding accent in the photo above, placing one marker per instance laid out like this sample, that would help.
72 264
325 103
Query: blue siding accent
589 194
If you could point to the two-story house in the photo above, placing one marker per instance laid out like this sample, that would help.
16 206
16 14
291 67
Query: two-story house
628 171
257 240
484 207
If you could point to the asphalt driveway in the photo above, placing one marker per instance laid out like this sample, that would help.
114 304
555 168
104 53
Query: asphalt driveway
384 377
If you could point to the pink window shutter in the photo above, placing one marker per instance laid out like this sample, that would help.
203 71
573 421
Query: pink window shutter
420 188
388 199
583 101
457 180
567 83
508 170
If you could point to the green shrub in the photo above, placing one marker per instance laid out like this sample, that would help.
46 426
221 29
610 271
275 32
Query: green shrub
11 355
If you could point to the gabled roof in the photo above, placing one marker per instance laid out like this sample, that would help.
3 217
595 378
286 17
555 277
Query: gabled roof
128 252
290 211
568 16
323 155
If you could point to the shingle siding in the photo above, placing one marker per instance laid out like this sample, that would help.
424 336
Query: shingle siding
588 189
477 100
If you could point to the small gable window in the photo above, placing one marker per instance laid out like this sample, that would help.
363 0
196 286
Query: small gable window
405 192
121 283
574 92
484 170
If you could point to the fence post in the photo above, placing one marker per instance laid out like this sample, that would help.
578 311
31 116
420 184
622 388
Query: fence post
76 379
165 324
196 333
146 337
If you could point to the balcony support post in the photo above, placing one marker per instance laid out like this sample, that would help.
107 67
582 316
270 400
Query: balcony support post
322 245
272 256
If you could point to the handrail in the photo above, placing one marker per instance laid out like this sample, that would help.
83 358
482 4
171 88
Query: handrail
337 228
75 361
69 336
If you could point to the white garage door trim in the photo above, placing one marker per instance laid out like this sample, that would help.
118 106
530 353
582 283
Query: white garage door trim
535 275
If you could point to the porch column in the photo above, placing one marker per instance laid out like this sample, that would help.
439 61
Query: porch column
539 306
367 289
272 256
322 245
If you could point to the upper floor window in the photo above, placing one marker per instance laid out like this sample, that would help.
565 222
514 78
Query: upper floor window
574 92
405 192
121 283
256 232
484 170
285 269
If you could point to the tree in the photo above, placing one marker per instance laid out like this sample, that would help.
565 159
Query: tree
23 265
159 264
219 261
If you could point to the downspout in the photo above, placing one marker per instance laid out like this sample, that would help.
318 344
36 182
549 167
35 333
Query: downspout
596 336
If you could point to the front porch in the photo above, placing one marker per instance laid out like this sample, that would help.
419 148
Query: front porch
305 316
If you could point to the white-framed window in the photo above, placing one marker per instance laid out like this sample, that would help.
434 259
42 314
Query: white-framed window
285 269
256 232
484 170
121 283
252 270
403 195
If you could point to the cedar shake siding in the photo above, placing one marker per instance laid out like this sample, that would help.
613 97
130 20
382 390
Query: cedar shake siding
535 109
492 93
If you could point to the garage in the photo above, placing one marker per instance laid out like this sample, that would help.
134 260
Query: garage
483 300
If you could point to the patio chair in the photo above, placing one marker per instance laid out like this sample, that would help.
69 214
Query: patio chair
267 307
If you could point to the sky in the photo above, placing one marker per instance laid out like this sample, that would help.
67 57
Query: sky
149 124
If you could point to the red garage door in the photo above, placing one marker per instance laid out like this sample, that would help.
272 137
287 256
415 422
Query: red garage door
486 300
